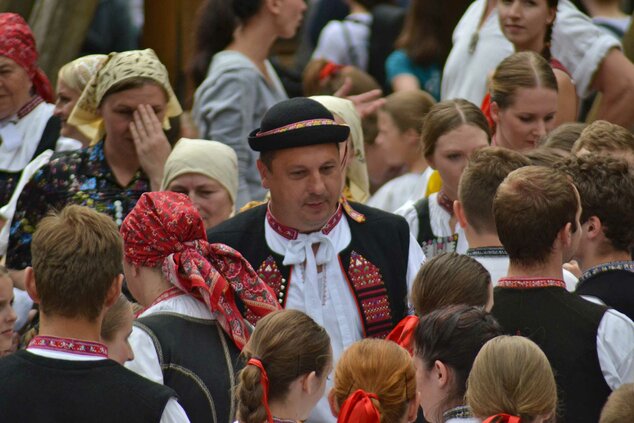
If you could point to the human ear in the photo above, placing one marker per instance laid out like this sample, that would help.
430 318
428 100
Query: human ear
441 374
29 284
264 173
459 212
332 402
114 291
495 112
412 409
310 382
594 227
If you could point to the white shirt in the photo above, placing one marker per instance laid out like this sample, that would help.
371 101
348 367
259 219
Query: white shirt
398 191
577 43
173 412
328 300
346 42
146 360
439 220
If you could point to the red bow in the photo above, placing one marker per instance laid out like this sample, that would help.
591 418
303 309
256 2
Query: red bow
328 70
264 381
358 408
403 332
502 418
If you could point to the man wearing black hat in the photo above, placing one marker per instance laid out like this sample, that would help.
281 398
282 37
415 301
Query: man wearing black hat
349 269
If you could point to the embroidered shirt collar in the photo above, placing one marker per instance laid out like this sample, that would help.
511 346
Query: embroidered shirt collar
530 283
445 202
487 252
69 345
460 412
626 265
291 233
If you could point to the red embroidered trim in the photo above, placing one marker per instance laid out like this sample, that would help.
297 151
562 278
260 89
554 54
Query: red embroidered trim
28 107
530 283
166 295
74 346
371 294
445 202
290 233
298 125
354 215
271 276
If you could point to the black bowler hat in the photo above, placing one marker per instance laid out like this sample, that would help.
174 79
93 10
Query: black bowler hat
297 122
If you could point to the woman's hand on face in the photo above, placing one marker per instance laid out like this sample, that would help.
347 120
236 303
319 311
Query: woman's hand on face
151 143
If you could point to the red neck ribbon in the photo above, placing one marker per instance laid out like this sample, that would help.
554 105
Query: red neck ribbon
358 408
264 381
403 332
502 418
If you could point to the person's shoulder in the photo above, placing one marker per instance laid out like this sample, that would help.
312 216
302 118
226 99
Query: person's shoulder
242 222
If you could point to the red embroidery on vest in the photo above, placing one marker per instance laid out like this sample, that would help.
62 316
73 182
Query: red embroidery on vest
354 215
271 275
371 294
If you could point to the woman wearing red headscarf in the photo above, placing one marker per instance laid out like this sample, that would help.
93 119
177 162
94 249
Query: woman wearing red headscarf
26 127
192 329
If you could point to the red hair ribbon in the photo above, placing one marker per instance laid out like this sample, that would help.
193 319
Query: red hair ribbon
358 408
328 70
264 381
403 332
503 418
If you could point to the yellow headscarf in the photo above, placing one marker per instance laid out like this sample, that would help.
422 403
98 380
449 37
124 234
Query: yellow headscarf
119 67
358 183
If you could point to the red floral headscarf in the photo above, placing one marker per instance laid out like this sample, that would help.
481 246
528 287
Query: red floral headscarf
17 43
165 228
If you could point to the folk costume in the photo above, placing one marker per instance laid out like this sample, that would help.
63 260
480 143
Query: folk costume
356 283
429 222
32 130
590 347
165 230
612 283
85 177
52 371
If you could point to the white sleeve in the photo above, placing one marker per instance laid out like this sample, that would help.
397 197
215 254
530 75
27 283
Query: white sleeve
174 413
615 348
146 361
408 211
579 45
570 280
416 258
331 44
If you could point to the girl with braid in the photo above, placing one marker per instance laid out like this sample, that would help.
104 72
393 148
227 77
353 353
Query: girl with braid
288 359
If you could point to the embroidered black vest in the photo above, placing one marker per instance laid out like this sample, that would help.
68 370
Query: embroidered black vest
565 326
198 361
374 264
614 287
41 390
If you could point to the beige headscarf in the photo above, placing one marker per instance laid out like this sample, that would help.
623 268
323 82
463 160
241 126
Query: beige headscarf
119 67
76 75
357 173
210 158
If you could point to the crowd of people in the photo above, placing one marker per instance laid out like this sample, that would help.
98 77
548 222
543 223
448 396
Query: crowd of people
456 248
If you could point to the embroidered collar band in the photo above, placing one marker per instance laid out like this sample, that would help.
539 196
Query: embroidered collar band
530 283
68 345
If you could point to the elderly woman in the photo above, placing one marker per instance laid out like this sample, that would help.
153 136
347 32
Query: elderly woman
191 331
71 81
207 172
26 127
126 100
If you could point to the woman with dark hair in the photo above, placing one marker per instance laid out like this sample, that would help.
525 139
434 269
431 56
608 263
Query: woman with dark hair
236 82
446 343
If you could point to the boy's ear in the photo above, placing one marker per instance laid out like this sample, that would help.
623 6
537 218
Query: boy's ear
114 291
29 284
